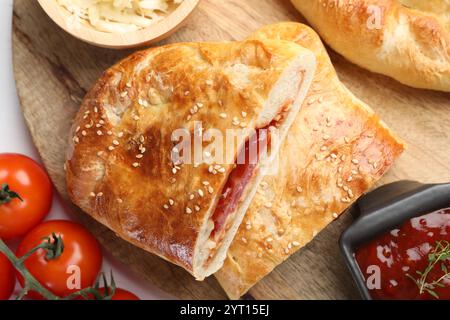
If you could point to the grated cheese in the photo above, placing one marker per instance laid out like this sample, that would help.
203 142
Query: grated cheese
119 16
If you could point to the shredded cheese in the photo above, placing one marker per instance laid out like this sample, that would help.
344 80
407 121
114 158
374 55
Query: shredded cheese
119 16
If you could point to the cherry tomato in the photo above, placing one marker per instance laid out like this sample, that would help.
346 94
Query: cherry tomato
28 180
76 268
7 278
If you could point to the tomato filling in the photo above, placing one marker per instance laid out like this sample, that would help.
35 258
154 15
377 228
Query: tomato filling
238 179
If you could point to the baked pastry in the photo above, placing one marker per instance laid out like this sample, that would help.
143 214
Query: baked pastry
408 40
132 162
336 149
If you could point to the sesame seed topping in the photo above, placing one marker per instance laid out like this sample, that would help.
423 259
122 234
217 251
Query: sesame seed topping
139 156
124 94
136 164
200 192
355 161
92 194
210 190
119 200
191 196
83 133
115 142
268 205
269 239
99 133
223 115
100 194
77 129
171 202
335 215
299 189
326 137
111 148
188 210
205 183
166 206
244 114
136 118
186 93
120 134
295 243
197 208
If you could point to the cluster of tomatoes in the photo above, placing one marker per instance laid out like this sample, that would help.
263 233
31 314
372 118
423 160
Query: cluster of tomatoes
25 200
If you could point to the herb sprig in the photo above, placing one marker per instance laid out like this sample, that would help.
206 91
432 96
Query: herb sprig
440 255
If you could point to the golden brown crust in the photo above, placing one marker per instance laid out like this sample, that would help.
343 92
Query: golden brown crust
119 164
336 150
409 40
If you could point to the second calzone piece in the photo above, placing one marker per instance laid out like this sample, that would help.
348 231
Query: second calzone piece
138 159
336 149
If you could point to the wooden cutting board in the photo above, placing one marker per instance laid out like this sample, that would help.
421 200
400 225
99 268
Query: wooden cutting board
54 71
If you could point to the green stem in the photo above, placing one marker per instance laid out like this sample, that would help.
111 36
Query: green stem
7 195
30 282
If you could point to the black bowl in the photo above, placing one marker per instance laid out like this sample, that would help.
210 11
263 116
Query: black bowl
385 209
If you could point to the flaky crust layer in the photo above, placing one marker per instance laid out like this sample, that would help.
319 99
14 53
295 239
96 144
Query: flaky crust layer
408 40
336 150
119 162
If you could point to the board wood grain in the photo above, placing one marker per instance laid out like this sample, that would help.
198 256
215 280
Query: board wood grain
54 71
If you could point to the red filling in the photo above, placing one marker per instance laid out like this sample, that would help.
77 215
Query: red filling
242 173
238 179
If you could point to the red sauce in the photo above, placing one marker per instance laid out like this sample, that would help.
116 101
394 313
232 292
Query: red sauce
404 251
237 181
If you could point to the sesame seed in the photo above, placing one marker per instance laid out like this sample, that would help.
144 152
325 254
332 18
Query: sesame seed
171 202
324 148
209 82
205 183
248 226
119 200
109 133
286 250
335 215
99 153
174 170
124 94
83 133
244 114
191 196
166 206
139 156
260 255
295 243
115 142
299 189
99 133
223 115
355 161
326 137
200 105
269 239
92 194
197 208
350 178
136 164
268 205
244 240
188 210
347 140
333 155
77 129
136 118
210 190
111 148
186 93
100 194
200 192
120 134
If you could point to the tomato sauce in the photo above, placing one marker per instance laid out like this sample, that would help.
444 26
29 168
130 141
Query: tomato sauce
403 252
238 179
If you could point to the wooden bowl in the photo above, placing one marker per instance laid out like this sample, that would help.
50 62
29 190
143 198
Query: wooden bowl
85 32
